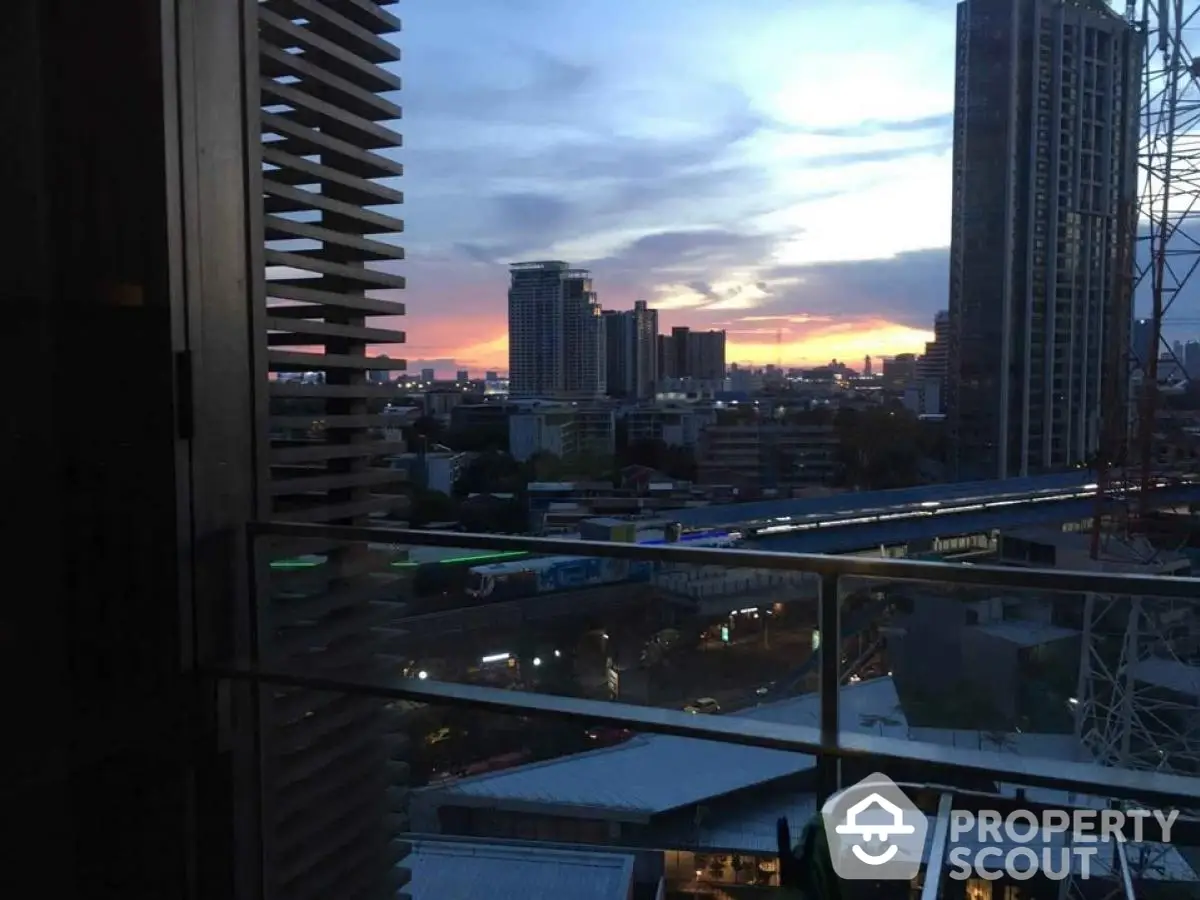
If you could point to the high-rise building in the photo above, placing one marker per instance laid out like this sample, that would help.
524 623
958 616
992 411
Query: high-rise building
692 354
934 362
1191 359
631 351
555 341
1046 95
900 369
1142 344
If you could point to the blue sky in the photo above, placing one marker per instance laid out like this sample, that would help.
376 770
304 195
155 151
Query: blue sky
778 169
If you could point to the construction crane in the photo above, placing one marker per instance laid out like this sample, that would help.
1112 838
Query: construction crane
1160 246
1123 717
1170 161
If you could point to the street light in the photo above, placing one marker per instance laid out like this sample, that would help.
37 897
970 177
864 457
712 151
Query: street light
537 660
422 675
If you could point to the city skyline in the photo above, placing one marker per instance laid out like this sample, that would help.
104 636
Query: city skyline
721 200
772 197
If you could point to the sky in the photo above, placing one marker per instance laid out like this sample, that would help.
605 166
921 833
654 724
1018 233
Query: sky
776 169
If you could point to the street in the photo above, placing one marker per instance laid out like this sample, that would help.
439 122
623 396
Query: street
730 672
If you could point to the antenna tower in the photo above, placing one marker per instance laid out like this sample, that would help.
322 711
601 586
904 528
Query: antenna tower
1157 256
1134 648
1169 211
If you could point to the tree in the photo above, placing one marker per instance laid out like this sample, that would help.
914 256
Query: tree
589 466
423 433
432 506
878 448
542 466
490 473
677 462
488 514
490 438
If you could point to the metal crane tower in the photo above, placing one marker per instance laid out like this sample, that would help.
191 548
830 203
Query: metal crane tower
1168 221
1140 655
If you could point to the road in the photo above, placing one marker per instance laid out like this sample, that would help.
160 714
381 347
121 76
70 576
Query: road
729 672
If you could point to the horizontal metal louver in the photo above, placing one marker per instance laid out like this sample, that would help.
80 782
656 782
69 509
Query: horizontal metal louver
333 771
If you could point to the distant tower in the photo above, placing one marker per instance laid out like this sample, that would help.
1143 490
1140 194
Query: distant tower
867 366
555 342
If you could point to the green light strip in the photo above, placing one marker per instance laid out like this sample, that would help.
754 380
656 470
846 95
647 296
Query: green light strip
476 557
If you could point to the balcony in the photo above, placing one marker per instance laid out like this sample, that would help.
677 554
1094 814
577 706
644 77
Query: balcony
466 714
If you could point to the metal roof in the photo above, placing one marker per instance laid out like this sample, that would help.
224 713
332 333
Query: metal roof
748 826
643 775
1170 674
743 827
446 869
846 538
852 502
1065 747
1024 633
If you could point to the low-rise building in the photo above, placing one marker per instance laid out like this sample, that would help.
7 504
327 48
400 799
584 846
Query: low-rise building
438 469
767 455
674 423
563 429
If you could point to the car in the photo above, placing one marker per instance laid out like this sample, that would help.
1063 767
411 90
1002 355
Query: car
703 706
765 689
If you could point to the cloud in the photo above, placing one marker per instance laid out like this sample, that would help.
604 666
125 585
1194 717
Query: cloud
791 319
872 127
540 130
695 250
907 288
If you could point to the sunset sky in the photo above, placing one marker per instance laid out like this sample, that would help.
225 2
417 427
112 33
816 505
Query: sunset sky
774 167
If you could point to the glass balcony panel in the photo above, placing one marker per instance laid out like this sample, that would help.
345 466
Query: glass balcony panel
683 701
708 639
476 803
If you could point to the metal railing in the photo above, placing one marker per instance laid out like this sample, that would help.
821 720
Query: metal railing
828 742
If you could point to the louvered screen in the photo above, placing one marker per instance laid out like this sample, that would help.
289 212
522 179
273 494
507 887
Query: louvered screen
333 771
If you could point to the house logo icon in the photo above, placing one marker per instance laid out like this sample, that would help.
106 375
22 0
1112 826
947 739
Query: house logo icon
874 831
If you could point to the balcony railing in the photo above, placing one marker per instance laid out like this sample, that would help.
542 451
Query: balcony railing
473 678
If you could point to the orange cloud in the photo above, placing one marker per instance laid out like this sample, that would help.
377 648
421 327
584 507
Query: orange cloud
848 341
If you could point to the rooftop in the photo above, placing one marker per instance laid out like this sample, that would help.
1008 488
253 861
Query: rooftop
1169 674
1026 633
642 776
1073 550
709 516
446 869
